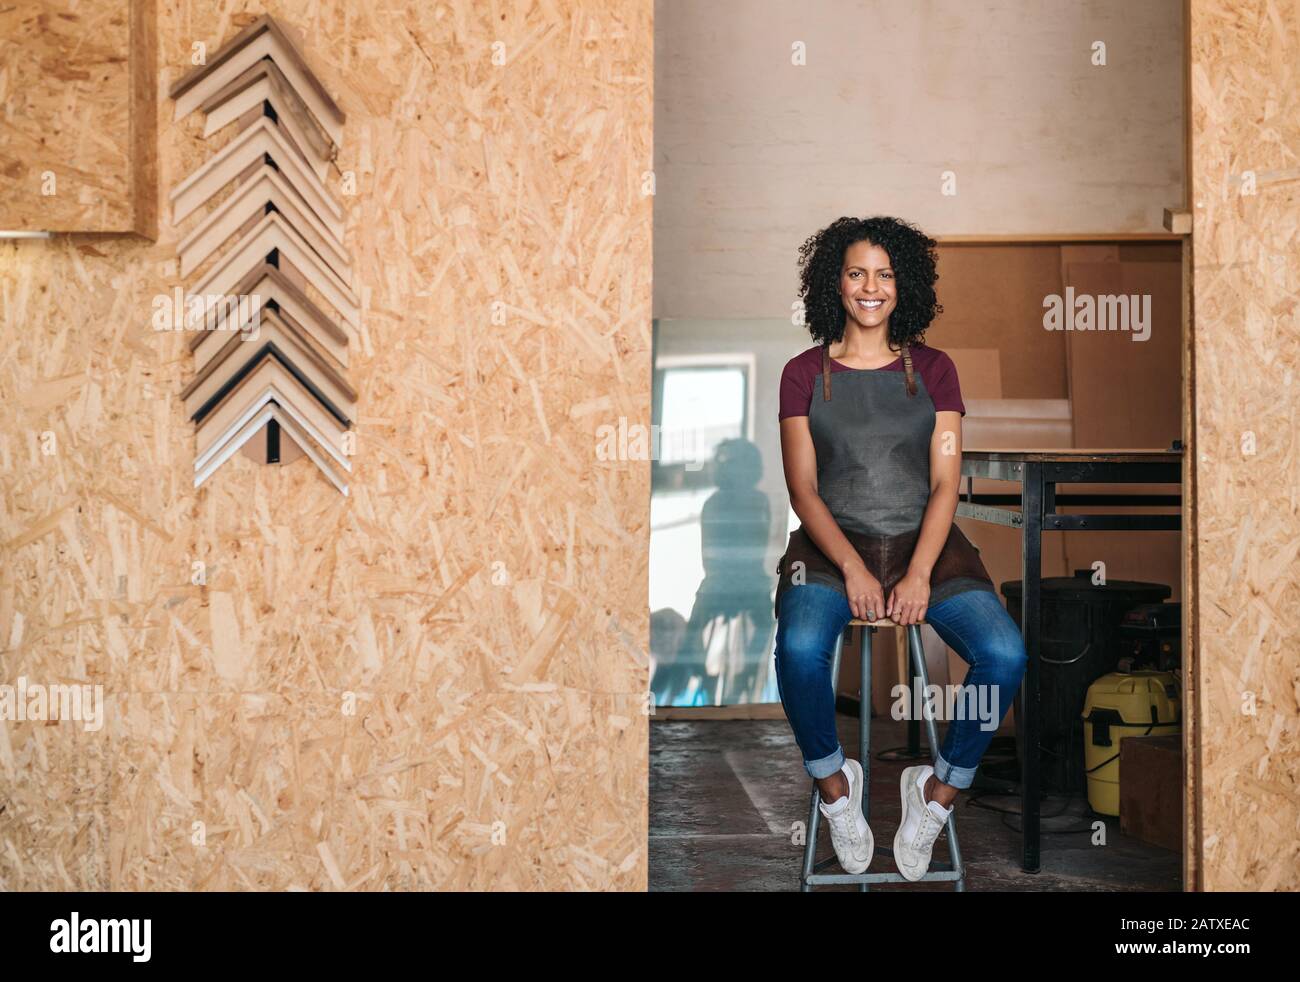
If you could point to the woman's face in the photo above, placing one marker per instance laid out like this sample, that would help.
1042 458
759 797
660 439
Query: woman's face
867 286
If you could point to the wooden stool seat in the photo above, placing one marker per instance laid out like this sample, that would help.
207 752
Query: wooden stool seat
882 622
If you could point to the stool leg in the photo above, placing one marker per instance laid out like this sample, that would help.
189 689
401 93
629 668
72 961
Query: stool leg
917 652
810 843
932 733
864 726
814 813
864 717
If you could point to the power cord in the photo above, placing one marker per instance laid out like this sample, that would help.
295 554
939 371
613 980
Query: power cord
1007 760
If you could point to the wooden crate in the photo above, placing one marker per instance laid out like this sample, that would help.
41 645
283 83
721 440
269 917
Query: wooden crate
1151 789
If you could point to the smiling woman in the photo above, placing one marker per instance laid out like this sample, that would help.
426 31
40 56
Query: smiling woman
881 259
872 475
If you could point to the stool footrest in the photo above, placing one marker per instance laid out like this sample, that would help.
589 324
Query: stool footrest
818 879
934 867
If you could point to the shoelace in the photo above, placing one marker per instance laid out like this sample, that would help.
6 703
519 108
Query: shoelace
844 823
929 830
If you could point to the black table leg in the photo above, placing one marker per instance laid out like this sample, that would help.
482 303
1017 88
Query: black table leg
1031 512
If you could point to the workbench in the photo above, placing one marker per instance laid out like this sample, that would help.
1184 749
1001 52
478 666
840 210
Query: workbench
1039 472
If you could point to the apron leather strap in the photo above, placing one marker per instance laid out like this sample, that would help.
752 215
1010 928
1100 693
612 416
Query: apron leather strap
826 371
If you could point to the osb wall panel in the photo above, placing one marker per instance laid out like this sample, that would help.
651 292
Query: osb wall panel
1246 274
77 96
480 596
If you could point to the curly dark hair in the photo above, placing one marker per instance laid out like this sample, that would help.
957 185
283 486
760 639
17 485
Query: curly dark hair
911 253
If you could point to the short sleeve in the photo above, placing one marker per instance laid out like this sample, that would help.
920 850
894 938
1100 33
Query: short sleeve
796 389
945 390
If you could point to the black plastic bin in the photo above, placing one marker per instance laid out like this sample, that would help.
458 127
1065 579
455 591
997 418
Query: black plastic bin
1078 644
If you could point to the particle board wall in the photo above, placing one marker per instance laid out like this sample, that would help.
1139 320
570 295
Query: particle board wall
79 141
438 682
1245 755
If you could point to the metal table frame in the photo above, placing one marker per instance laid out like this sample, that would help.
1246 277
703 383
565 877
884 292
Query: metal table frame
1038 472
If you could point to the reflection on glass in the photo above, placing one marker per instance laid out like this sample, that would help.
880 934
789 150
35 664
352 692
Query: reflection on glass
701 407
712 557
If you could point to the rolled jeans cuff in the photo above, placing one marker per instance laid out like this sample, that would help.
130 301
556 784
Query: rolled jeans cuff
827 766
956 777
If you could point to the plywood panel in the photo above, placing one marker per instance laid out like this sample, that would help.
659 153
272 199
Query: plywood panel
1124 391
1246 353
438 682
1125 394
78 152
992 297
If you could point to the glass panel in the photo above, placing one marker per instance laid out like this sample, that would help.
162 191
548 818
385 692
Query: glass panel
719 513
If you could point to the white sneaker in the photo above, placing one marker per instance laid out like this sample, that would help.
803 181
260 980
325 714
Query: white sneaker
922 822
850 833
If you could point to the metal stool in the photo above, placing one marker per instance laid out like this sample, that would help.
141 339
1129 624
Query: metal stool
810 875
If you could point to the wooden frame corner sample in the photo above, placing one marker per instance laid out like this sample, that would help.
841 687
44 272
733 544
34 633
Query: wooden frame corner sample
264 38
262 83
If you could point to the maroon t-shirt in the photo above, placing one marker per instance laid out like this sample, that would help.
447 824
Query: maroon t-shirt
934 366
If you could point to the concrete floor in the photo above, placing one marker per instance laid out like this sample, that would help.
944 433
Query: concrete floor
725 797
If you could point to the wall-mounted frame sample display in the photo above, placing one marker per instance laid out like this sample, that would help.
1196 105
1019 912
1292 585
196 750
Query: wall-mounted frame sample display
274 304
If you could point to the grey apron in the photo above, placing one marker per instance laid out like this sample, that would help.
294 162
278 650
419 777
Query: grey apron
873 473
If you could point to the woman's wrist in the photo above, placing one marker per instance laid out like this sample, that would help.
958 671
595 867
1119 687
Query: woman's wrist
920 569
852 561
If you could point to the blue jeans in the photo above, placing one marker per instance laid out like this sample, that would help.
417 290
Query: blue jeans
974 624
